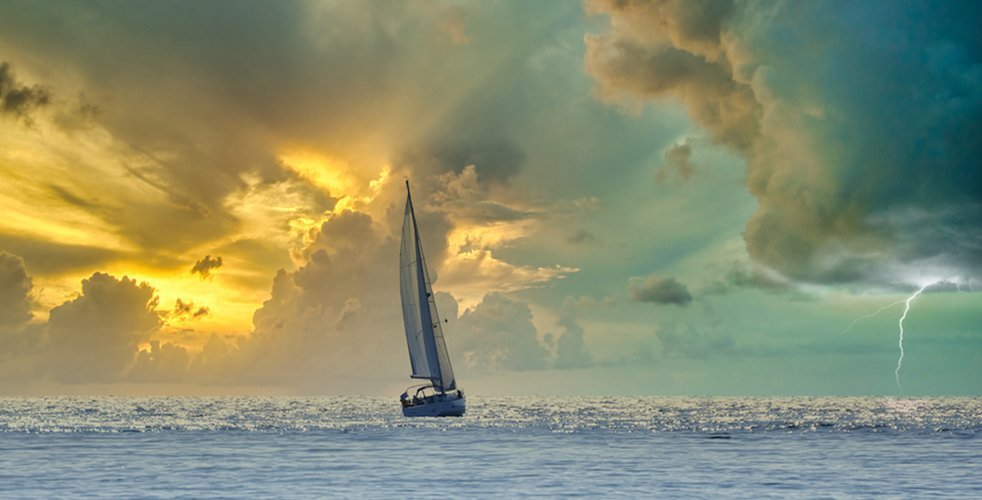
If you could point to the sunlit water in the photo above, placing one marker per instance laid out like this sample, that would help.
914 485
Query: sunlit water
357 447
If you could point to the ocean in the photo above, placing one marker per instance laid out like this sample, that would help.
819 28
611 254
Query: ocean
362 447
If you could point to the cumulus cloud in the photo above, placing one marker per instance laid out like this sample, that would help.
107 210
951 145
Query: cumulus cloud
673 49
18 339
217 362
20 100
205 266
465 199
314 327
657 290
477 226
847 192
15 292
160 363
94 337
498 334
571 350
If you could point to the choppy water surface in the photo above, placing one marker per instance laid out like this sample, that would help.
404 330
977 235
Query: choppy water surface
363 447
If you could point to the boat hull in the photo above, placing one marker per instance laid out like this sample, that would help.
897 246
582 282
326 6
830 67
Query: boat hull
448 407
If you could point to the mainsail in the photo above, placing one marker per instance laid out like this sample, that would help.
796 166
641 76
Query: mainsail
424 333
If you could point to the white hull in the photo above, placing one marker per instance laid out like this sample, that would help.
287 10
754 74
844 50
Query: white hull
445 406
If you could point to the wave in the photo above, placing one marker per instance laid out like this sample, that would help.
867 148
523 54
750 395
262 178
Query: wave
716 417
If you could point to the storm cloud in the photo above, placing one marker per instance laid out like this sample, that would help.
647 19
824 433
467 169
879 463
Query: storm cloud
861 152
658 290
205 266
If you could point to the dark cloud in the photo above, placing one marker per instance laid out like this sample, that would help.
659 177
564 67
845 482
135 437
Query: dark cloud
678 161
256 74
657 290
187 310
462 196
694 26
862 152
94 337
15 292
739 274
20 100
653 68
496 160
205 266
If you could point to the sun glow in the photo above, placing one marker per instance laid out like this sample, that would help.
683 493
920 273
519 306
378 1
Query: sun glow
338 178
363 198
324 172
43 199
229 307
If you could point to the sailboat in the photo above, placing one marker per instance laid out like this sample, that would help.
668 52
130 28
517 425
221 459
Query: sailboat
440 396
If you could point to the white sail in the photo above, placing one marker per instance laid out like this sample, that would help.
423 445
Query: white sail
409 290
424 334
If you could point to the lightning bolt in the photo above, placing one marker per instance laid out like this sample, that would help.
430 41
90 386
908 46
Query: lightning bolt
870 315
900 343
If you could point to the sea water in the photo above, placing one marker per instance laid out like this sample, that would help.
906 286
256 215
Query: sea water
360 447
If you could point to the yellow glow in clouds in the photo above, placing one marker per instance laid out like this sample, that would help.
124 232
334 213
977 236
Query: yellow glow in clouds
354 188
326 173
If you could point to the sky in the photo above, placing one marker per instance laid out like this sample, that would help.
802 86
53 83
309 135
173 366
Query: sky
615 197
